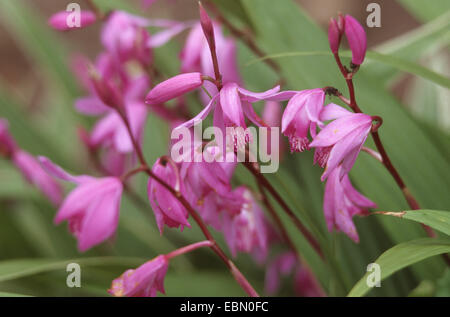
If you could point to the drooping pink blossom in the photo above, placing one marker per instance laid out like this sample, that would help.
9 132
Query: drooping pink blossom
33 173
248 230
28 165
357 40
302 115
125 37
341 140
208 187
145 281
341 202
68 20
167 208
91 209
174 87
232 105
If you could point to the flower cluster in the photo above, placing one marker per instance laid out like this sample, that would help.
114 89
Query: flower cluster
120 92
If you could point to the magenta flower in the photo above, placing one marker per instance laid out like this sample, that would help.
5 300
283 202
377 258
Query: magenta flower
196 55
167 208
64 20
174 87
341 140
341 202
232 105
248 230
28 165
91 209
33 173
208 187
111 131
144 281
356 37
125 37
302 114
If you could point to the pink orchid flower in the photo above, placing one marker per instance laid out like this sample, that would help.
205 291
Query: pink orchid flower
28 165
341 140
208 187
33 173
302 115
341 202
60 21
144 281
247 231
125 36
168 210
92 208
232 105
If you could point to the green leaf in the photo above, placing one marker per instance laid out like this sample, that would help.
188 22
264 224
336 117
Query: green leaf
436 219
13 269
401 256
395 62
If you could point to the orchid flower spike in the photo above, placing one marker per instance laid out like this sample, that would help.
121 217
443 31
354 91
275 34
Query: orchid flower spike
65 20
357 40
167 208
341 140
341 202
145 281
91 209
302 115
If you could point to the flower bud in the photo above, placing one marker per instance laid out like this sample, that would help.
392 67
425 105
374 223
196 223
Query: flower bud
356 37
207 27
174 87
65 20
